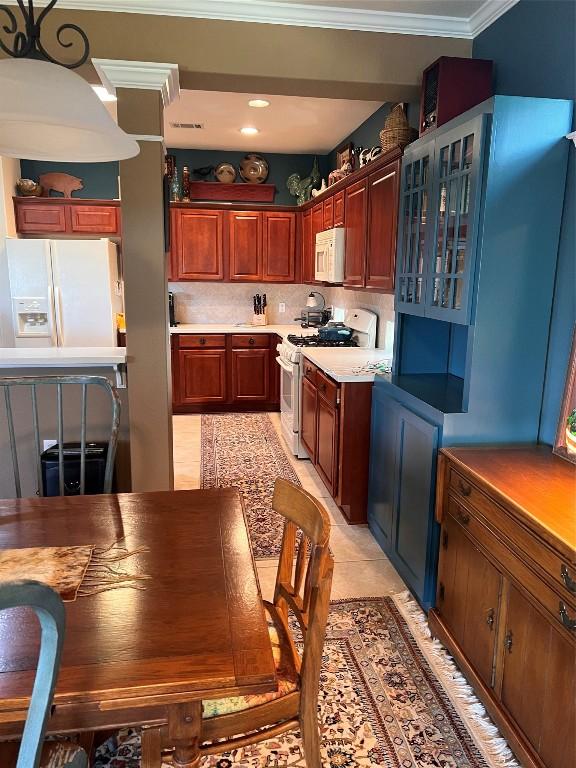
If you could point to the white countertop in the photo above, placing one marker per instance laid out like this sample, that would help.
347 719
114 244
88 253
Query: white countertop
348 364
61 357
280 330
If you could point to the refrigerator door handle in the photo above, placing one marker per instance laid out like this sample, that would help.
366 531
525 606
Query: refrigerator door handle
52 316
58 312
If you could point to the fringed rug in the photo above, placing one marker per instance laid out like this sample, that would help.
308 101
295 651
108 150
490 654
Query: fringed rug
243 450
389 696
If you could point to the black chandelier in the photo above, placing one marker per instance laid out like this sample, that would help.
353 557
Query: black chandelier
28 43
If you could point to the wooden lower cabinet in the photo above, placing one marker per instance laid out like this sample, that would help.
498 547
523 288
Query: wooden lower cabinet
335 431
506 602
224 372
202 376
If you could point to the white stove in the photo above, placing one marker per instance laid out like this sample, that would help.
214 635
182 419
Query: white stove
363 324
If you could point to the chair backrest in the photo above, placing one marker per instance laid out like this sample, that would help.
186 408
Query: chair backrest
60 382
50 611
305 568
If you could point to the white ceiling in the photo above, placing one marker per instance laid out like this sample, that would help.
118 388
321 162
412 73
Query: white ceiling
291 124
444 18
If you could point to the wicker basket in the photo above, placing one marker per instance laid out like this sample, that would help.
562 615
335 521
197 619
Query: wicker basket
397 131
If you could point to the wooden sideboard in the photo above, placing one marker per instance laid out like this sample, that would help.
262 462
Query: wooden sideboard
506 595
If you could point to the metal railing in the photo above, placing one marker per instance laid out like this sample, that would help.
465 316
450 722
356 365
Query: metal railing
33 382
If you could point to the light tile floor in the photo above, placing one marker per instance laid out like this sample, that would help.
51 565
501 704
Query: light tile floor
361 567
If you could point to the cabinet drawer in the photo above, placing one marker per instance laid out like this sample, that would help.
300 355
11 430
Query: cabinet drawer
524 576
561 573
245 341
327 388
310 371
210 340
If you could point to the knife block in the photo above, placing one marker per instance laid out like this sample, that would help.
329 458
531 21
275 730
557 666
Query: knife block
260 319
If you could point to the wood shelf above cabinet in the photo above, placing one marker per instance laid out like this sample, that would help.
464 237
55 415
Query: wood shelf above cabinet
216 191
67 216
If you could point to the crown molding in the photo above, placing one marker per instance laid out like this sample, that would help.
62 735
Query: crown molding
296 14
487 14
145 75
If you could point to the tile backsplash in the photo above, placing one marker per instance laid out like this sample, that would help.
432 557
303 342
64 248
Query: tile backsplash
232 303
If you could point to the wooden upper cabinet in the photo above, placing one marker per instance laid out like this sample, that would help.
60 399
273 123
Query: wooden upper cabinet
339 209
38 219
307 253
94 219
355 249
328 213
197 244
383 197
279 247
245 245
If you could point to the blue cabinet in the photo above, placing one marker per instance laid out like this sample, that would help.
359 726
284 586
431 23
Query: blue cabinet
402 482
438 229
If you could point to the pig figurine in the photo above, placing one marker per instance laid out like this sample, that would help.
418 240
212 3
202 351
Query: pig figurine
60 182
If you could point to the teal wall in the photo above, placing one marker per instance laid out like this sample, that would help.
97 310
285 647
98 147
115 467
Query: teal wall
100 179
281 166
533 47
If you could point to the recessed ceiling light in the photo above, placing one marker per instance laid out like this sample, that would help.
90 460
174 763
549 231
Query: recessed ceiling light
103 94
258 103
249 130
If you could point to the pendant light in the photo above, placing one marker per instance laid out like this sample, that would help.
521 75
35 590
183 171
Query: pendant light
48 112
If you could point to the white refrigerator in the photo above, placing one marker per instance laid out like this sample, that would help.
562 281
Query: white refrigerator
64 293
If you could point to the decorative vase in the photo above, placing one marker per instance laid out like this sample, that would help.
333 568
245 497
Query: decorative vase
185 185
175 187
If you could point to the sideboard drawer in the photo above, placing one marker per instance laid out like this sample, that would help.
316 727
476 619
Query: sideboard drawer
201 341
310 371
560 572
327 388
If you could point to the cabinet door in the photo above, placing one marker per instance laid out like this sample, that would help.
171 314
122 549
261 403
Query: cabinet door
539 680
197 247
339 208
307 249
308 418
328 213
455 209
383 188
327 444
382 482
413 229
39 219
251 375
317 226
245 245
356 225
202 376
469 589
279 250
95 219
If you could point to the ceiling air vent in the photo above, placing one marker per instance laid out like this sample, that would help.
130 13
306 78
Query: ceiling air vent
192 126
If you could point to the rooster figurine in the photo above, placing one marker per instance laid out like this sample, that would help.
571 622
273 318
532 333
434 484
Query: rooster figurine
302 188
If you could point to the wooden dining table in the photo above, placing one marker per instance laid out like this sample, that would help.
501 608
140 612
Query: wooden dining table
194 629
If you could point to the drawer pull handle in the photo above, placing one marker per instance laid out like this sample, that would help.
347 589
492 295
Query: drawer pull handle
490 618
464 488
463 517
566 620
251 341
568 582
202 341
323 387
508 641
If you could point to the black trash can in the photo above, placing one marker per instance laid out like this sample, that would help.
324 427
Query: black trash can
95 469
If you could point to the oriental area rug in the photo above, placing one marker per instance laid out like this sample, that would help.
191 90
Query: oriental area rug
389 696
243 450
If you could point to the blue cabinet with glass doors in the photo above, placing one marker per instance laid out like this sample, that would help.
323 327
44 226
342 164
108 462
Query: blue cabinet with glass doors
439 209
480 217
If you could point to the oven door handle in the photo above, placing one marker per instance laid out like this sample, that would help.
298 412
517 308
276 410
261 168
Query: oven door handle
284 365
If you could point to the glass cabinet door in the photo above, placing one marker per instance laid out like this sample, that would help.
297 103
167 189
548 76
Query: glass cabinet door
457 176
413 221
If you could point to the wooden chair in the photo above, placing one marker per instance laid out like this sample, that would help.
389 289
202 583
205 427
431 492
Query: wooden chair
31 751
303 584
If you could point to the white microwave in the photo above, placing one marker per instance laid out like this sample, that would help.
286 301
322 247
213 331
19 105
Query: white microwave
329 256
